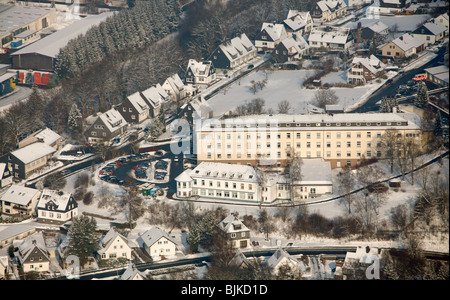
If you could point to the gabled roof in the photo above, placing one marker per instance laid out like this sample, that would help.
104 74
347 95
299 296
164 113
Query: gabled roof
296 44
131 273
200 68
47 135
33 152
113 120
32 242
237 47
330 5
378 27
372 63
175 83
155 95
138 102
109 238
275 31
232 224
57 199
296 20
278 256
407 41
19 194
153 235
184 176
3 168
430 28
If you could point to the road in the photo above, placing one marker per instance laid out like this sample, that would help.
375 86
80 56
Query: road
391 90
20 93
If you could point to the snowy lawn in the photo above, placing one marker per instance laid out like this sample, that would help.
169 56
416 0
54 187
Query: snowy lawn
285 85
404 23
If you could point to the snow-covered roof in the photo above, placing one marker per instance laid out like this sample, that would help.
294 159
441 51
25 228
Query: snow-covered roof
175 83
296 20
275 31
295 44
437 70
202 107
107 239
31 242
130 273
330 5
315 171
232 224
278 256
18 194
379 27
113 120
225 171
33 152
340 121
237 47
434 28
329 34
200 68
13 17
364 255
184 176
59 199
48 136
51 44
138 102
155 95
372 63
153 235
407 41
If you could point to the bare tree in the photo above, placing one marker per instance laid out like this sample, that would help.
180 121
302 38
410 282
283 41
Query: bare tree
284 107
325 97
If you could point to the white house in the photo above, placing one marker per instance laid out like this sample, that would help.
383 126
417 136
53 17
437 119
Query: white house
157 243
113 245
430 33
175 87
56 207
443 20
32 254
330 37
19 200
328 10
131 273
282 259
155 97
298 22
270 36
235 231
45 135
200 73
364 69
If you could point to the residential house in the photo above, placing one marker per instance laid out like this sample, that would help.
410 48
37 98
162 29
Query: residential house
132 273
298 22
134 109
200 73
46 136
108 125
290 49
15 231
19 200
26 161
56 207
393 6
430 33
240 261
6 177
328 10
235 231
282 259
198 108
370 32
331 37
114 245
233 53
175 88
443 20
356 263
155 97
32 254
364 69
438 75
270 36
401 47
157 243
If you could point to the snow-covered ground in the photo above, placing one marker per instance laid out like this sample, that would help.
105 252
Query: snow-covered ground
403 23
286 85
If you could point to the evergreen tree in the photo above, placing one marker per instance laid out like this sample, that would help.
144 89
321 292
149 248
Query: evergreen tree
74 118
83 241
421 99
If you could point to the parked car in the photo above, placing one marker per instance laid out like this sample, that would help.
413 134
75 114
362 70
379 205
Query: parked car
389 81
255 243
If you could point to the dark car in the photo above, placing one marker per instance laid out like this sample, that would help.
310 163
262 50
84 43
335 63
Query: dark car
389 81
251 67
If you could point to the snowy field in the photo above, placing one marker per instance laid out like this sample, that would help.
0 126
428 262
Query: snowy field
285 85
